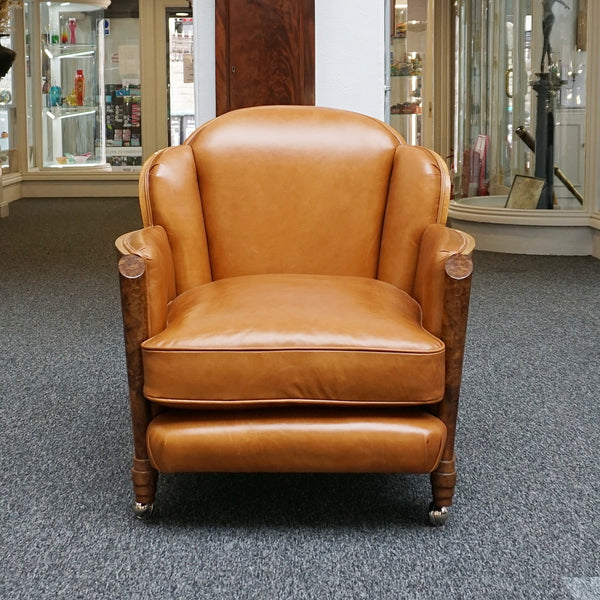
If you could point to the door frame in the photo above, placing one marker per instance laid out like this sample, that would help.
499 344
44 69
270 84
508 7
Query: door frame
154 83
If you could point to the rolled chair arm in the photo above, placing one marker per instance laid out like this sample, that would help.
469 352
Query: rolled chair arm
438 244
151 245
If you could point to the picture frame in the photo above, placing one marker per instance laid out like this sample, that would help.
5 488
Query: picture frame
525 192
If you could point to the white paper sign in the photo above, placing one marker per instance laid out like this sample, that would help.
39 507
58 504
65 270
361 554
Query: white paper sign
188 68
129 60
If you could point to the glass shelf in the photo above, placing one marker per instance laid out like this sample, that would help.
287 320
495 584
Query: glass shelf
63 112
69 50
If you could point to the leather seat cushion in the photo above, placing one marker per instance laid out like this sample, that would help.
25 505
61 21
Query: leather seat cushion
280 339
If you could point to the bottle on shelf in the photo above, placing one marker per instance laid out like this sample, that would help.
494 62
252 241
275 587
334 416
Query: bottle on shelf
79 88
64 32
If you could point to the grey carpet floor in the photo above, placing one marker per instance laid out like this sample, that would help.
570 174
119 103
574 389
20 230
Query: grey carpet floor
525 523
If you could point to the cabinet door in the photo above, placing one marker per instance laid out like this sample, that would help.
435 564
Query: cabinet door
264 52
569 156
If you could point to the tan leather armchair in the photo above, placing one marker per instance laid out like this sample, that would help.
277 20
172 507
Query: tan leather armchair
294 303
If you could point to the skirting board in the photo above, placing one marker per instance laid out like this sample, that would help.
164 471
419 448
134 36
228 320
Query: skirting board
79 189
532 239
596 243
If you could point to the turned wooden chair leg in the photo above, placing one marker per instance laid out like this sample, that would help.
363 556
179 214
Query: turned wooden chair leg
144 486
443 482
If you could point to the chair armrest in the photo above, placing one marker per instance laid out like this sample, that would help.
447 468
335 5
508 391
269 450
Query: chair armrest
147 280
443 287
145 256
438 244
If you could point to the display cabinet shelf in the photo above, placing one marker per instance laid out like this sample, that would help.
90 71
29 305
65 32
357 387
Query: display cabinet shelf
69 50
62 112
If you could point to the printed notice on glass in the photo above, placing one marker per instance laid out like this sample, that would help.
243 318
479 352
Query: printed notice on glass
188 68
129 60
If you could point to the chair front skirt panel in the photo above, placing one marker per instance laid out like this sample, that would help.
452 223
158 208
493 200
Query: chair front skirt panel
297 440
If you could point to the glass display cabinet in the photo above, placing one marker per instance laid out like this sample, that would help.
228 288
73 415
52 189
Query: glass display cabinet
519 84
70 90
8 113
408 49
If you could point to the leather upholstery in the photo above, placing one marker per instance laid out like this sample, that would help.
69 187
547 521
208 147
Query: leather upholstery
334 204
437 244
318 211
169 196
419 193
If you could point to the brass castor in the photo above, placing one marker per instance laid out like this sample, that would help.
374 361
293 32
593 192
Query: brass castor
143 511
438 516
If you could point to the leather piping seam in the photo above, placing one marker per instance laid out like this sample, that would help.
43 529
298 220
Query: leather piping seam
385 209
296 401
147 205
432 353
444 184
466 245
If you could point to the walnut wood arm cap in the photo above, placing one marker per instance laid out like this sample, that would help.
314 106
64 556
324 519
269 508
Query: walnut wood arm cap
459 266
132 266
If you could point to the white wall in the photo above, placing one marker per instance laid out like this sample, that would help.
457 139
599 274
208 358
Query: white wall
204 60
349 56
350 53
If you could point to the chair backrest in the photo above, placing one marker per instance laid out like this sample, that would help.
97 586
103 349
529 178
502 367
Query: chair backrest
294 189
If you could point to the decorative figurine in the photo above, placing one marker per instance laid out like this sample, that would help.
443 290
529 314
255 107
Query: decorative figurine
547 24
73 27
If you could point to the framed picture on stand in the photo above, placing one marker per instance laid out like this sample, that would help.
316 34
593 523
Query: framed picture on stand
525 192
